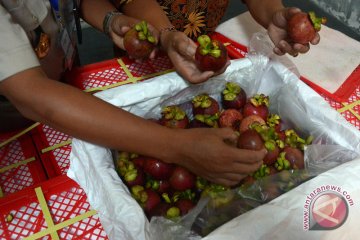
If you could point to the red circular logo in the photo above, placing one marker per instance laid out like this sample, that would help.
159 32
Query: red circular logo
329 210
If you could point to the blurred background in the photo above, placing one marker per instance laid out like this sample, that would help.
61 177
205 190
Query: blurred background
342 15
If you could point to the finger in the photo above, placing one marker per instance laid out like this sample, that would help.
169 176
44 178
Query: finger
223 182
195 77
247 169
227 134
120 30
154 53
301 48
118 41
250 156
290 12
277 51
316 39
287 48
234 177
124 29
187 48
190 73
154 32
281 17
200 77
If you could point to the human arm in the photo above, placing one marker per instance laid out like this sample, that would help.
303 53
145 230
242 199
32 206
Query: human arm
180 48
273 16
94 12
84 116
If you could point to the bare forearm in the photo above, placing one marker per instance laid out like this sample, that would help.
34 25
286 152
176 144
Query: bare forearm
84 116
263 10
148 10
94 11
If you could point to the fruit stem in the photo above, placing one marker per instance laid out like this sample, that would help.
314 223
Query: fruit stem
207 46
173 112
143 32
317 21
259 100
231 91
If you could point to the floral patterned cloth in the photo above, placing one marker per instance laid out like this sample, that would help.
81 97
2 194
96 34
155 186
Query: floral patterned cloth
193 17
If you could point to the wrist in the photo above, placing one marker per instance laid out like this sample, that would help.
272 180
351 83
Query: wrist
163 33
109 17
175 149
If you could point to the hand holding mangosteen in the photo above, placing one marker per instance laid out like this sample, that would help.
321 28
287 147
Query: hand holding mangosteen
302 27
211 55
248 144
139 41
292 31
181 51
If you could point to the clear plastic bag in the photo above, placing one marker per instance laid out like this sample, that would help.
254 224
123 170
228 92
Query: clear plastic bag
323 155
299 106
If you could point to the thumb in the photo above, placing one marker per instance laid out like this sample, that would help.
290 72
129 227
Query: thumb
229 136
187 48
281 17
121 30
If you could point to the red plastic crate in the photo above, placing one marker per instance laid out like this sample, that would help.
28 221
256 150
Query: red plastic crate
59 159
54 149
23 214
115 72
20 166
350 110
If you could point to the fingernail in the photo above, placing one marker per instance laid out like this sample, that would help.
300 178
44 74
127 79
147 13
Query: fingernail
210 74
278 52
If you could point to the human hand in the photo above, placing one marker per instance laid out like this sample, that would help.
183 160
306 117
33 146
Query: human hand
277 30
181 51
121 24
212 154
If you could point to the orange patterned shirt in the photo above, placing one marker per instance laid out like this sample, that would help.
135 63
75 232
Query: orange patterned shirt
193 17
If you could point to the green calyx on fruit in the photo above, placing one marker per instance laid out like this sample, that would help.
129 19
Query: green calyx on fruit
259 100
263 171
270 145
173 112
123 156
153 184
138 193
173 212
187 194
231 91
218 194
201 183
294 140
282 163
207 46
202 101
131 175
166 198
210 120
317 21
125 167
143 32
280 143
273 120
268 134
